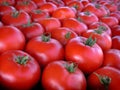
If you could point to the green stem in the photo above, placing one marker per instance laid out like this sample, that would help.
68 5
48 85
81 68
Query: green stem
71 67
90 41
104 80
67 36
46 37
15 14
22 60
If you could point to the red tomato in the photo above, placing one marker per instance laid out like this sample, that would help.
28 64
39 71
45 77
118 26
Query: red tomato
63 13
11 39
31 30
45 49
18 70
49 7
6 9
116 14
75 25
87 17
85 52
115 30
61 75
50 23
105 78
39 2
25 5
63 34
76 4
39 14
109 20
97 9
16 18
102 38
101 25
116 42
112 58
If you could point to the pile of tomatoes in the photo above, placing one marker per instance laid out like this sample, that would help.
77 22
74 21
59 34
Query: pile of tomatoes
59 44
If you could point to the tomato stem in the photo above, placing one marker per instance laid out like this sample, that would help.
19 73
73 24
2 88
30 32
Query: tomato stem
87 13
5 3
70 67
28 24
104 80
100 29
67 36
46 37
15 14
22 60
90 41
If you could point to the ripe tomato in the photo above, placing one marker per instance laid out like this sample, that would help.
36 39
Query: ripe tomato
102 38
61 75
116 14
16 18
48 7
25 5
112 58
18 70
50 23
109 20
39 2
63 34
6 9
31 30
87 17
105 78
75 25
11 39
115 30
101 25
85 52
38 14
76 4
116 42
64 12
45 49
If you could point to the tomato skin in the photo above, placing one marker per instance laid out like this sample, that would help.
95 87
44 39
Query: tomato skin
15 76
116 42
11 39
63 34
112 58
39 2
75 25
21 18
103 39
45 51
56 77
89 58
115 30
113 73
32 30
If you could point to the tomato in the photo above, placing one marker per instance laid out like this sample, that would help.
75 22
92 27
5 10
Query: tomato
116 42
85 2
11 39
87 17
31 30
101 25
64 12
85 52
116 14
45 49
49 7
58 3
105 78
25 5
63 34
38 14
66 1
18 70
39 2
102 38
109 20
16 18
97 9
112 58
115 30
6 9
61 75
50 23
76 4
75 25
